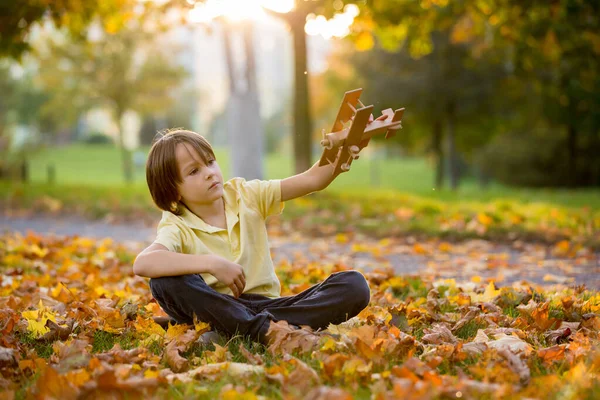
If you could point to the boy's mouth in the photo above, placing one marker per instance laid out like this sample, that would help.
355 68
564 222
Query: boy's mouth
214 185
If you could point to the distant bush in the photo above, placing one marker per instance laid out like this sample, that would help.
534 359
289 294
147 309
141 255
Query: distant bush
97 138
537 160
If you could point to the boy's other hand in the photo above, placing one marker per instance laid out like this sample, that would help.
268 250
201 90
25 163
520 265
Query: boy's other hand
232 275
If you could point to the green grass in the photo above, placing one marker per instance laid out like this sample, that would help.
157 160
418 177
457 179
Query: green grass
403 203
100 165
104 341
469 330
42 348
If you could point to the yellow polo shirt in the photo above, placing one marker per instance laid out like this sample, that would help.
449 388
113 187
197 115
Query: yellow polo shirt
245 242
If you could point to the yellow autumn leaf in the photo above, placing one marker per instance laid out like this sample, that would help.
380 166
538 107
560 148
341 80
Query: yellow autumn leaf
328 345
488 295
175 330
151 373
201 326
36 319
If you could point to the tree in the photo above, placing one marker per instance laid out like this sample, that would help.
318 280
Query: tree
556 48
438 60
116 71
243 109
17 18
302 133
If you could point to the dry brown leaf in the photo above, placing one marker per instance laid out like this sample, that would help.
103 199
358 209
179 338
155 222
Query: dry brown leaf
174 359
438 334
118 355
302 378
285 339
511 343
57 332
551 354
9 358
469 316
332 364
558 336
215 371
179 344
517 364
254 359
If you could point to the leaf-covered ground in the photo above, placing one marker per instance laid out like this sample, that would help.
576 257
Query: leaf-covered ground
76 323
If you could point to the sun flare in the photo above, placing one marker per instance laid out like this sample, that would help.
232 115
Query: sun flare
240 10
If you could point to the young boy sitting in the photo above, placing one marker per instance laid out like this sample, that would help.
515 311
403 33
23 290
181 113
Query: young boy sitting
211 256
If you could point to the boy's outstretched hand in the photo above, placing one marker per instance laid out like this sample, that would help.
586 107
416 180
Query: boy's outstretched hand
232 275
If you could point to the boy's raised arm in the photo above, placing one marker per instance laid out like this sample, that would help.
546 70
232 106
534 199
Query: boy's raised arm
314 179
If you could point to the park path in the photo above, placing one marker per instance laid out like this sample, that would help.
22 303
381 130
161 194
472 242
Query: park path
469 260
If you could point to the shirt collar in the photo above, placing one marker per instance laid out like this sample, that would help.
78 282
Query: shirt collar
231 199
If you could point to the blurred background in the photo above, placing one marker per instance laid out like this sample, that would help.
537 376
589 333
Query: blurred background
501 96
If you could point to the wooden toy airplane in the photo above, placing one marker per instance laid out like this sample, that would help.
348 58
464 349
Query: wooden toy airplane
342 145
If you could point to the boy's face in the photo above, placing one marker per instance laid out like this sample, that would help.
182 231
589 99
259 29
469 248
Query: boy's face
201 184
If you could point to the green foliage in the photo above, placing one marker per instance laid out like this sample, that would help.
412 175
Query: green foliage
20 17
97 138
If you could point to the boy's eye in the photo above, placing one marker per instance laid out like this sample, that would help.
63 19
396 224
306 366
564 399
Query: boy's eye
192 172
210 162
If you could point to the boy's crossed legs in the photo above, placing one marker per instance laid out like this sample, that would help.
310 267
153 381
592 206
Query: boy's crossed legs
340 297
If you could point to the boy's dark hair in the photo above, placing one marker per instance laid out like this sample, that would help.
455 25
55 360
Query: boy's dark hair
162 173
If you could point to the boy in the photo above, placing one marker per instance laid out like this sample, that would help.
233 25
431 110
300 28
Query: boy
211 256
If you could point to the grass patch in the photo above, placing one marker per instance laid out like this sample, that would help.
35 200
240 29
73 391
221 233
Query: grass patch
104 341
42 348
448 367
511 311
100 165
412 287
469 330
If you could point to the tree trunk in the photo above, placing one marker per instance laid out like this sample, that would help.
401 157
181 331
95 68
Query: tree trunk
451 145
125 153
438 153
243 111
302 122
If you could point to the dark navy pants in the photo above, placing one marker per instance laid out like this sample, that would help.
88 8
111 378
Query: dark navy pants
340 297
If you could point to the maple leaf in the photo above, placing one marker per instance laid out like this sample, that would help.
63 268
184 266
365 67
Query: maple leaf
558 336
179 344
254 359
488 295
468 317
215 371
301 378
36 319
71 353
57 332
551 354
118 355
438 334
284 338
538 315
